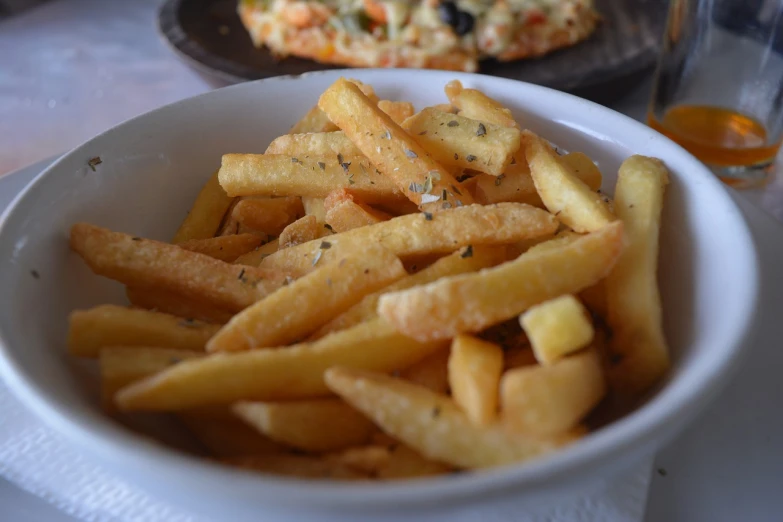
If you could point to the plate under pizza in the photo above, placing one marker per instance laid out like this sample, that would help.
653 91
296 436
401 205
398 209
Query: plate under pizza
576 47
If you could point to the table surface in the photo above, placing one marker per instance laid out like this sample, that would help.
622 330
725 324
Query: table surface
79 67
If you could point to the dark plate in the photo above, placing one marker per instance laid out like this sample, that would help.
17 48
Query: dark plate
208 35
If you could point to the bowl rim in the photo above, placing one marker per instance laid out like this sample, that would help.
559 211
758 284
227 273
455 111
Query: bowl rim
111 444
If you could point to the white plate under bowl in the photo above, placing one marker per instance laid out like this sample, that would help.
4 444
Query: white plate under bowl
152 168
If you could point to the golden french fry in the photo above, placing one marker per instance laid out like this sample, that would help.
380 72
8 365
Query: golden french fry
431 423
224 435
269 215
515 185
639 352
432 372
206 214
557 328
145 263
124 365
594 297
583 168
424 233
313 144
551 400
457 263
398 111
315 425
365 459
299 466
315 207
471 302
445 107
474 104
224 248
111 325
314 121
170 303
395 461
307 176
474 370
344 212
390 148
296 310
255 257
457 141
303 230
564 194
295 372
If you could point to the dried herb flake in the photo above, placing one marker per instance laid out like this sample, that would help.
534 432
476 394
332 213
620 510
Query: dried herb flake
317 257
428 216
325 245
453 123
93 162
411 154
467 253
482 130
499 180
471 158
322 165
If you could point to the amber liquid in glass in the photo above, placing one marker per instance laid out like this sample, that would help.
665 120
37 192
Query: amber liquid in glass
717 136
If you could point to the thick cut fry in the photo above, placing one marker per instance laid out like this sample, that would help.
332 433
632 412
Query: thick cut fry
314 121
295 372
299 466
390 148
269 215
344 212
111 325
474 104
315 207
255 257
557 328
296 310
583 168
564 194
224 248
390 462
224 435
456 141
307 176
639 352
173 304
471 302
315 425
514 185
313 144
141 262
457 263
206 214
550 400
474 375
431 372
301 231
398 111
432 424
594 297
423 233
123 365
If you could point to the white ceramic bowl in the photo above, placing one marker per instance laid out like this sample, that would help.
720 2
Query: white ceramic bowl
153 167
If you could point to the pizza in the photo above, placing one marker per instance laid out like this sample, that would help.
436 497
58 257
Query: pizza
433 34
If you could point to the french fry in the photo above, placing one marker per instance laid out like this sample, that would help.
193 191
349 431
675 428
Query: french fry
557 328
316 425
344 212
145 263
111 325
565 195
594 297
255 257
296 310
474 370
299 466
314 121
224 248
639 352
206 214
295 372
432 372
313 144
469 303
124 365
515 185
269 215
224 435
423 233
551 400
277 175
303 230
315 207
405 463
364 459
173 304
456 263
457 141
474 104
398 111
390 148
583 168
432 424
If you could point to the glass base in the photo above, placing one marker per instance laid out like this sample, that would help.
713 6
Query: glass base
744 176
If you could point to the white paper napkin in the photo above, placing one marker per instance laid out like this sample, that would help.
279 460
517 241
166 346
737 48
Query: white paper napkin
40 461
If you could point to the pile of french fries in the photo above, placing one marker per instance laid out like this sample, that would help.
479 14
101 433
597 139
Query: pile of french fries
388 294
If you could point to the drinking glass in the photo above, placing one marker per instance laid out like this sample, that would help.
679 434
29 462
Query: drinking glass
719 85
